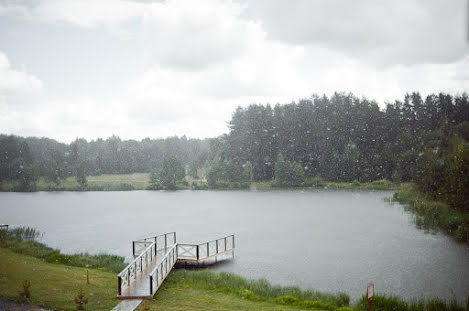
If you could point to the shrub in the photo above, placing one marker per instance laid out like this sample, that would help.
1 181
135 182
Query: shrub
26 292
81 300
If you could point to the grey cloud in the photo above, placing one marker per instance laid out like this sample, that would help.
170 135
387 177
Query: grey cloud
385 32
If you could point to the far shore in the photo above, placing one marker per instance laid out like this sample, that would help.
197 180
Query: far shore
141 181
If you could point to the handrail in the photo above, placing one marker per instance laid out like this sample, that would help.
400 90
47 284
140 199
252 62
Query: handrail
228 236
173 252
159 273
135 267
155 239
156 236
136 259
188 248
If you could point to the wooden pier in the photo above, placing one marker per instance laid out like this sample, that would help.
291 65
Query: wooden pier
154 257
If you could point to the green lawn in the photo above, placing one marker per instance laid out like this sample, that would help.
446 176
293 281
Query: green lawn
178 297
55 286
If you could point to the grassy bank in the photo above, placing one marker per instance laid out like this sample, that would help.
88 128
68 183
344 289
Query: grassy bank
205 290
314 183
23 241
392 303
140 181
118 182
54 286
432 215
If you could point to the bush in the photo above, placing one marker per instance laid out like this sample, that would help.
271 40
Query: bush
432 215
26 292
288 174
316 182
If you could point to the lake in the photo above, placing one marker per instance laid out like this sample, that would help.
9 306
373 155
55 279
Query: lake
330 240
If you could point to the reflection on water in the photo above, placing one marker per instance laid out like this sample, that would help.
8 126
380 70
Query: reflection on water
327 240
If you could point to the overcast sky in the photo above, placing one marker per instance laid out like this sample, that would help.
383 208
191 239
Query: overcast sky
137 69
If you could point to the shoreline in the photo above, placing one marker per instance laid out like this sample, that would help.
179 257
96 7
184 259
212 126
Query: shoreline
140 181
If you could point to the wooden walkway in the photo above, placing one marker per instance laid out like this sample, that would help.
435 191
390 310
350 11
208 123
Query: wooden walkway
154 257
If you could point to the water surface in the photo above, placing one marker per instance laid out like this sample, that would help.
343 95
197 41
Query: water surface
327 240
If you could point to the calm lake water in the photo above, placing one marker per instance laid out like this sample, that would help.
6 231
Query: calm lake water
326 240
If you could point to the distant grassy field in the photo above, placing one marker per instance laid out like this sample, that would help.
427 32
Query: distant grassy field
140 181
137 181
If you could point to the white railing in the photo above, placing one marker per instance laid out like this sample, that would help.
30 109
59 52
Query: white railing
146 250
205 250
162 241
160 272
133 269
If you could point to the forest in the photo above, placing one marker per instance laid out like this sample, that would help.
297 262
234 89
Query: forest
341 138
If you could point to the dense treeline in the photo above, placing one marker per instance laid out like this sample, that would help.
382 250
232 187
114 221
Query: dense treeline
56 161
344 138
341 139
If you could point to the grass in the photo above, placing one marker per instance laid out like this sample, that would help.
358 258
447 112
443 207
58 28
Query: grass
393 303
180 297
54 286
257 290
140 181
433 215
22 241
317 183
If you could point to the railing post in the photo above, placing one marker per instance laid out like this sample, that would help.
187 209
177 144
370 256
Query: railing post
119 285
133 248
151 285
175 238
165 243
225 244
216 243
197 252
208 249
233 241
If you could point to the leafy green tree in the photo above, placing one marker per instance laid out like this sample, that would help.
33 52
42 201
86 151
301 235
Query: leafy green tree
155 181
456 175
193 170
290 174
81 173
55 171
247 172
28 177
428 175
171 172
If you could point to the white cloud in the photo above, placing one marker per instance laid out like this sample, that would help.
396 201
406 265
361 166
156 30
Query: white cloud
194 34
90 13
14 81
208 57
